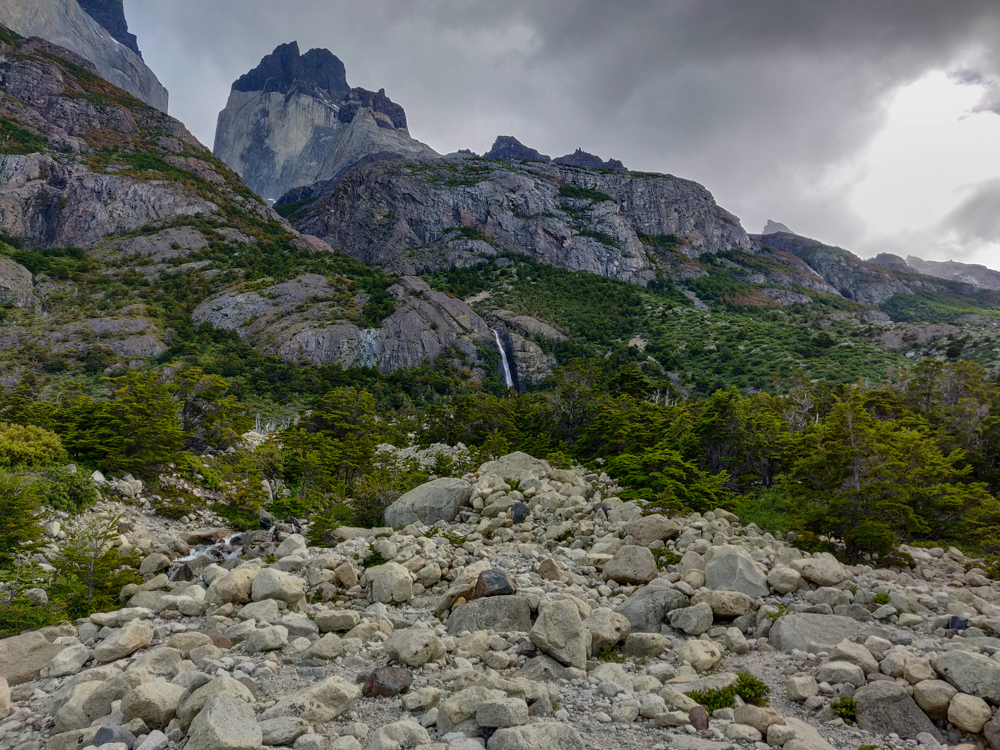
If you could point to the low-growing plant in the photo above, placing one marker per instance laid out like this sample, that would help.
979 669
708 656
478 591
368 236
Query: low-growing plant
846 708
373 560
565 536
612 654
881 599
62 489
783 609
665 556
752 690
715 698
454 538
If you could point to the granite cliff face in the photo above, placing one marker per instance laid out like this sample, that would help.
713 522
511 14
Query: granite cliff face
96 31
294 120
411 217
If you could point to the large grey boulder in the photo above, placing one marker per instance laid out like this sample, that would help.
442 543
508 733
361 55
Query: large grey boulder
885 707
22 657
390 583
319 703
974 674
812 633
732 569
124 641
430 503
559 632
227 722
516 465
153 702
646 608
414 646
631 564
549 735
496 613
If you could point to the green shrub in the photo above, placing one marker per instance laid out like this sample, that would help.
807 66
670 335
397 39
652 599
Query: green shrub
845 708
752 690
28 447
20 614
611 653
665 556
881 599
715 698
62 489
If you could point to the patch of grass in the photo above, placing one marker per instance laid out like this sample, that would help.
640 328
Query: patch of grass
604 239
17 141
584 194
565 536
454 538
373 560
881 599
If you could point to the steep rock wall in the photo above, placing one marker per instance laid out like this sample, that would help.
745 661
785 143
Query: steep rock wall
65 23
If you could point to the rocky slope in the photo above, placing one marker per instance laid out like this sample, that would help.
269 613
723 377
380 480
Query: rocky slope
848 274
973 274
552 615
294 120
411 217
139 203
97 32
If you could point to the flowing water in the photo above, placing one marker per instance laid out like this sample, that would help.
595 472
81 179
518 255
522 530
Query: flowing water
503 358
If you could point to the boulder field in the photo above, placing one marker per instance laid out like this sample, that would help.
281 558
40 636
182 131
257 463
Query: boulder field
521 607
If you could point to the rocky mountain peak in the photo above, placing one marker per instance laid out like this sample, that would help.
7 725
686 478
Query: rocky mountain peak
581 158
110 14
294 121
508 147
774 227
317 71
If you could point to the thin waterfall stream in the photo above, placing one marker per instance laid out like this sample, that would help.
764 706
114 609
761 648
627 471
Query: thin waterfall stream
503 358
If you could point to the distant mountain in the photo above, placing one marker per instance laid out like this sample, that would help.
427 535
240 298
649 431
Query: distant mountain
294 120
773 227
967 273
96 30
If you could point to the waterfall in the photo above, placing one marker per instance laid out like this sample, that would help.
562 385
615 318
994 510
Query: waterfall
503 358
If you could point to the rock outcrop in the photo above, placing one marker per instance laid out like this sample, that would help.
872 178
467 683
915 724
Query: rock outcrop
95 30
852 277
973 274
308 319
411 217
508 147
582 159
294 120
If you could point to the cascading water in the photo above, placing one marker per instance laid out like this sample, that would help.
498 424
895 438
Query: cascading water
503 358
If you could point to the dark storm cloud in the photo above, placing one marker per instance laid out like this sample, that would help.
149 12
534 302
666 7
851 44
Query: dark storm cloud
761 101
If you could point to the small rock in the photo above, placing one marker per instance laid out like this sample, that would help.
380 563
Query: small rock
494 582
385 682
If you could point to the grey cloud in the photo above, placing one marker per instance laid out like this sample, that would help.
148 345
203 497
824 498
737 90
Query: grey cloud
760 101
977 218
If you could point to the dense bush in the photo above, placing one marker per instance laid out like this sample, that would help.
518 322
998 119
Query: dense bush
28 447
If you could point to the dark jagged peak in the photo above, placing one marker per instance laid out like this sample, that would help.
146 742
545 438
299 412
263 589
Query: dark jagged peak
317 70
508 147
392 115
774 227
892 262
111 15
581 158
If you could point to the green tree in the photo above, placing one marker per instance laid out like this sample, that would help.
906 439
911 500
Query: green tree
210 416
857 476
674 485
20 531
28 447
90 571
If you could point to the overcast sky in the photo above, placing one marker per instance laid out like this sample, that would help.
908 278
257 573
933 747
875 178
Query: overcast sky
870 125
